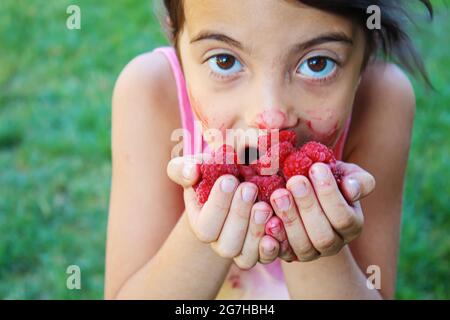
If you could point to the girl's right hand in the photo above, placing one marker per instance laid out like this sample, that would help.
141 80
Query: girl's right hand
230 220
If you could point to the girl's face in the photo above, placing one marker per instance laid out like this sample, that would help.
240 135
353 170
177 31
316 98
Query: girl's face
270 64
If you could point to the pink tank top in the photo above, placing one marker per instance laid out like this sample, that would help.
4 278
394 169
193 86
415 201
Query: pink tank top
271 274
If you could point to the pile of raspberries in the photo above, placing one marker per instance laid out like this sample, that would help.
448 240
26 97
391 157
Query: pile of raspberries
268 177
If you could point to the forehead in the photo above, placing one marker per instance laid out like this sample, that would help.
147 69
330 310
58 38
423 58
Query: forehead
277 20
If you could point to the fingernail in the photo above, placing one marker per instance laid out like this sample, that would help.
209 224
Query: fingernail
354 188
299 189
188 170
248 193
269 249
228 185
260 216
283 203
320 173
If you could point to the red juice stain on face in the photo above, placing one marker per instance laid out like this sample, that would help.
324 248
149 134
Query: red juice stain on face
196 108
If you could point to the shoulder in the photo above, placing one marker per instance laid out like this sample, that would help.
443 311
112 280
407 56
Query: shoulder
147 76
384 107
145 102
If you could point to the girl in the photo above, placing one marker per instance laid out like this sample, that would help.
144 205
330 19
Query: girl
305 65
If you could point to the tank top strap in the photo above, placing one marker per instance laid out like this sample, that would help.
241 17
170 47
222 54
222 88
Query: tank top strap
192 138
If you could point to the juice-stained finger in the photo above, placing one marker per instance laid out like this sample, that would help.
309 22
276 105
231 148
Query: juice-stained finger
268 249
290 214
275 228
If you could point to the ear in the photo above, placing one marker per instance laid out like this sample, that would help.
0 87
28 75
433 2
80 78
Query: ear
168 22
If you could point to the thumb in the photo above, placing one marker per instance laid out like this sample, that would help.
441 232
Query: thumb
185 170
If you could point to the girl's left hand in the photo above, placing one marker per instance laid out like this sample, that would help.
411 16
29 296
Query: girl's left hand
313 217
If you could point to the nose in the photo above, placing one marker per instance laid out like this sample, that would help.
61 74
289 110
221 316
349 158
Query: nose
271 119
271 100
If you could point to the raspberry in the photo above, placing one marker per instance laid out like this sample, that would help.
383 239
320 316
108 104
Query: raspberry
246 172
264 142
281 153
202 190
291 162
299 162
337 173
267 185
220 162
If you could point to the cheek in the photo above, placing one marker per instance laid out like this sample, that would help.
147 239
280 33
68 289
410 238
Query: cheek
199 112
324 126
209 119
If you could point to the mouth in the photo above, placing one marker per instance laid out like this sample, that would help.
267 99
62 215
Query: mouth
248 155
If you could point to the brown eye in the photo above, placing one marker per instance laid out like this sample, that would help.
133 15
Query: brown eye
317 64
225 61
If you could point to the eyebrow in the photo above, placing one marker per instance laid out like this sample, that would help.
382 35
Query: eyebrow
320 39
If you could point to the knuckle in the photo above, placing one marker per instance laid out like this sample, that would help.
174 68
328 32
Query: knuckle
205 237
241 212
219 206
345 221
308 257
325 242
307 204
244 263
305 249
327 191
224 251
256 233
289 219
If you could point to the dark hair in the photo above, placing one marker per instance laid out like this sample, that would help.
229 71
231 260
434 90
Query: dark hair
392 40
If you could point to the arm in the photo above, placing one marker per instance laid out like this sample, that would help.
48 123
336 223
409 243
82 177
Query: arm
151 251
379 142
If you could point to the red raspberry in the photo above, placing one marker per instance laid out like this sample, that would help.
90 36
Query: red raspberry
246 172
299 162
281 153
338 173
202 190
267 185
264 142
220 162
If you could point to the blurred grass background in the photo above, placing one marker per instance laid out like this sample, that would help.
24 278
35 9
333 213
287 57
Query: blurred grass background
55 92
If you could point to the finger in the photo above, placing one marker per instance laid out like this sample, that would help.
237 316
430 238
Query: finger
192 207
215 210
286 210
261 212
356 183
268 249
341 216
232 236
185 170
317 226
274 227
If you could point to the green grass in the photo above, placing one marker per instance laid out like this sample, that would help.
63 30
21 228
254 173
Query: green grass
55 92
